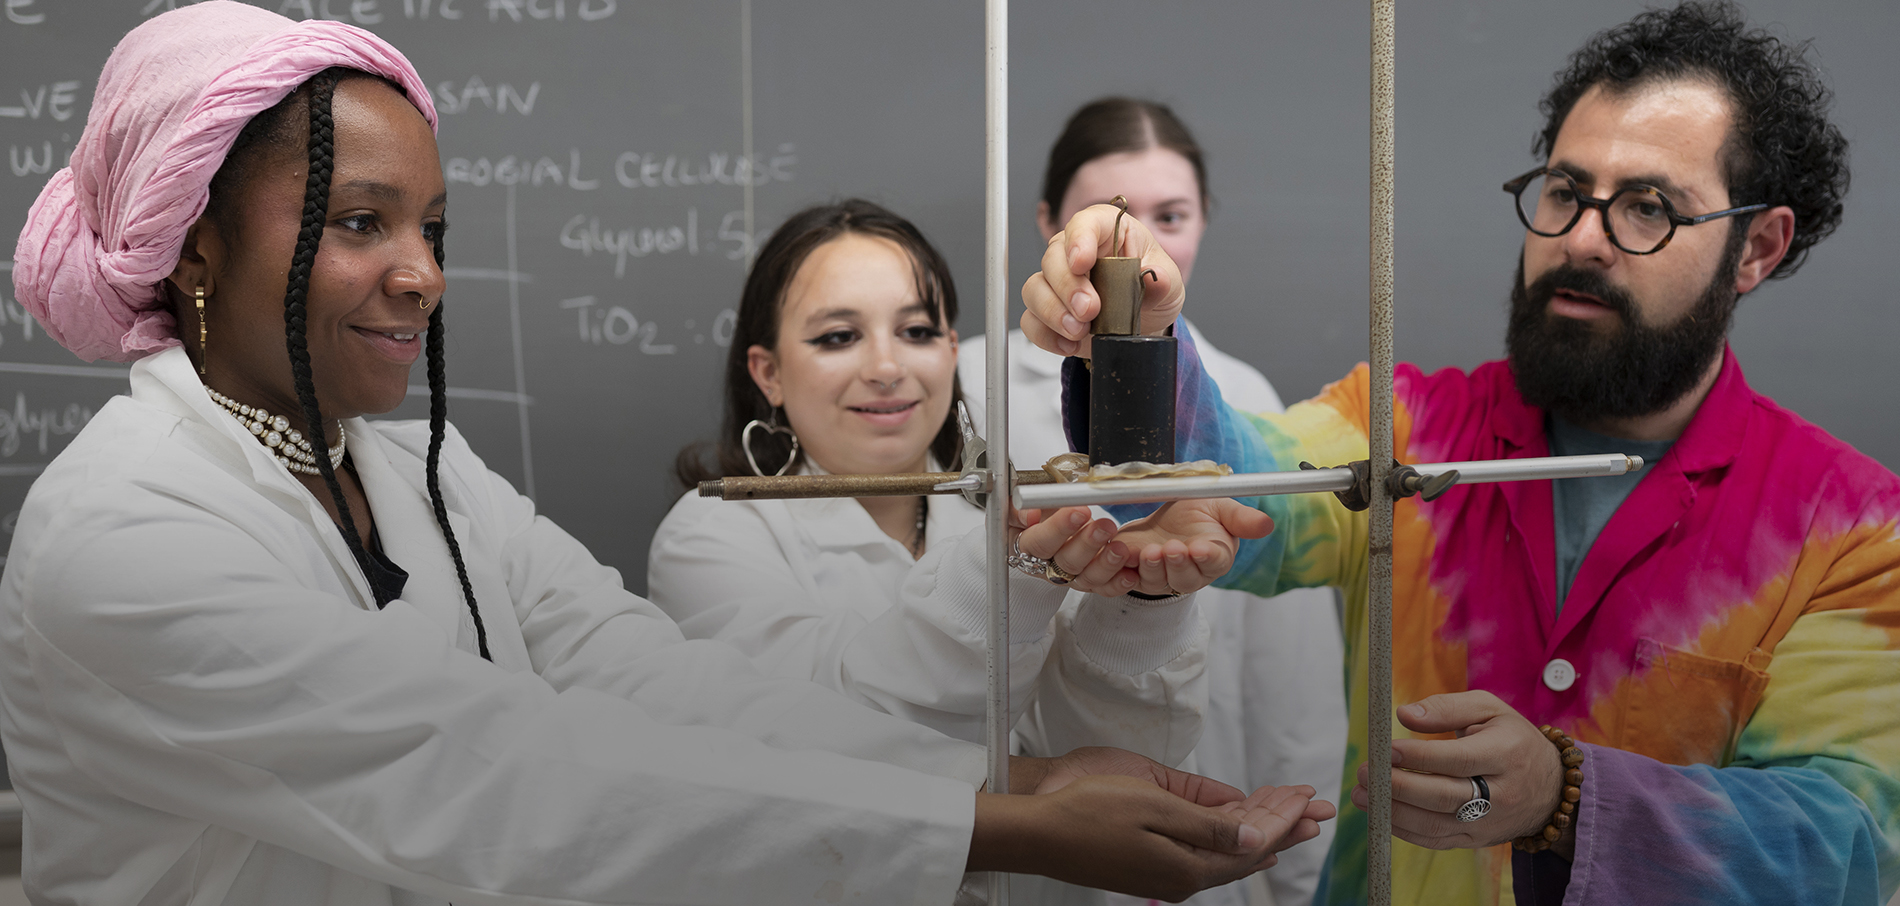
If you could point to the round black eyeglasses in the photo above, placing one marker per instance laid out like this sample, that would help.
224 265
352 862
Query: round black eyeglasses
1638 219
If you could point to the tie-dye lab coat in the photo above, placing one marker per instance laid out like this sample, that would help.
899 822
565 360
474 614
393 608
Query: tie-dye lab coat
1735 631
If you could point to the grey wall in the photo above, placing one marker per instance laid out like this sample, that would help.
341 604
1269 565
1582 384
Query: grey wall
858 97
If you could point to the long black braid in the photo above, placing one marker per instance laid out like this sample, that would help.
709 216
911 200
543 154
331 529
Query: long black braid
438 420
316 209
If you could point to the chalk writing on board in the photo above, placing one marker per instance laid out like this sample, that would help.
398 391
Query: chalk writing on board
13 313
616 325
426 9
355 12
24 12
372 12
635 169
511 10
518 10
732 229
632 170
27 160
517 171
55 100
23 422
451 99
584 234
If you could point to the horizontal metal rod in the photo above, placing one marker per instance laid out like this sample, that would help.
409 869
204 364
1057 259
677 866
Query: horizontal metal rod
1151 490
1258 484
1537 468
901 484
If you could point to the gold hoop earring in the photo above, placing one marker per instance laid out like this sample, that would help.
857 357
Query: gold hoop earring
203 331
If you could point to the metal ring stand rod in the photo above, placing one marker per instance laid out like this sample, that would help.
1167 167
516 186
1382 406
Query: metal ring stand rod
1379 539
996 393
1259 484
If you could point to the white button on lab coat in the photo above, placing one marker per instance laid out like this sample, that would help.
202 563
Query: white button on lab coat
1275 666
201 705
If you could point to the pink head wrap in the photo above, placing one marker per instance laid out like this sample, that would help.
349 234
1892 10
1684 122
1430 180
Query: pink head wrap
172 99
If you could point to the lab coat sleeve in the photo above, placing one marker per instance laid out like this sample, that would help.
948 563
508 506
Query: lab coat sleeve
190 671
1315 540
1125 672
583 629
719 570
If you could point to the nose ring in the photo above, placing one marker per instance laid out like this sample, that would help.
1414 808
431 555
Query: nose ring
423 304
888 387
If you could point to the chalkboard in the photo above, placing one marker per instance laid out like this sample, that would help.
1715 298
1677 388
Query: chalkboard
611 163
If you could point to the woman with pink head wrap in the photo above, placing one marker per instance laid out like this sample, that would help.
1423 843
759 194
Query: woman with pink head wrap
256 649
170 104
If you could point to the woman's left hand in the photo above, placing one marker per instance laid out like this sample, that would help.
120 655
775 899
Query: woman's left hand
1187 544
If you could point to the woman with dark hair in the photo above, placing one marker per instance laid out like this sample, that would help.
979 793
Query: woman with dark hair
1276 703
844 361
256 649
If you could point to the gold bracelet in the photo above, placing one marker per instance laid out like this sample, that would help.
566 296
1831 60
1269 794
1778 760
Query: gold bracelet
1566 813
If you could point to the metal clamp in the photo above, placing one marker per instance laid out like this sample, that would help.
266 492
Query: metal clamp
974 482
1357 498
1402 481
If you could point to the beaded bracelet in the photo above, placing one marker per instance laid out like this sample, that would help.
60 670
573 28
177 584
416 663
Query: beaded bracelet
1566 812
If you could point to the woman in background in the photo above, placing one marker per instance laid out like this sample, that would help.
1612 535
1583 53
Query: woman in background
844 361
1276 686
257 649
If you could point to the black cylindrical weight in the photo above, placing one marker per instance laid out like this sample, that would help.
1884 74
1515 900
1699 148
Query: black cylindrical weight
1131 400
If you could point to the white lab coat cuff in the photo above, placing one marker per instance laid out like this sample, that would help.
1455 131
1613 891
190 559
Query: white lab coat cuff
962 580
1132 636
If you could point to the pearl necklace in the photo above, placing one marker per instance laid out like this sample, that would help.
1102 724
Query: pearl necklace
287 445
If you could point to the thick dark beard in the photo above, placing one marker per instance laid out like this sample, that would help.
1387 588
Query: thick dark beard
1586 374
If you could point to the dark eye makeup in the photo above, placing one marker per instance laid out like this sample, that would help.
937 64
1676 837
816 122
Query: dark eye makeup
838 339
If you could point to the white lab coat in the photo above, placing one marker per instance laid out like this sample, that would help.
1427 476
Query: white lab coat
1275 666
813 589
201 704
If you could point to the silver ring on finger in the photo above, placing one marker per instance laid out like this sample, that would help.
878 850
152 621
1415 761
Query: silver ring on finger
1027 563
1480 803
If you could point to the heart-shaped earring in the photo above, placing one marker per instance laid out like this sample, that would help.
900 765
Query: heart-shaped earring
771 427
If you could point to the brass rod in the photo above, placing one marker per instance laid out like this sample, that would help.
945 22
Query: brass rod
788 487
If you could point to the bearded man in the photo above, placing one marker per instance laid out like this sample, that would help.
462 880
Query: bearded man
1719 633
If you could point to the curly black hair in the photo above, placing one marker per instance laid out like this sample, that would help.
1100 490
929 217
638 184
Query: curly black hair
1783 150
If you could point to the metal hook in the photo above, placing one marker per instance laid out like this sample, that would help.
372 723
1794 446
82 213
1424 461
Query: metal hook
1115 233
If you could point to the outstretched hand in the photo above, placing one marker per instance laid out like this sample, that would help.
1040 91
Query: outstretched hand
1112 819
1047 775
1061 302
1187 544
